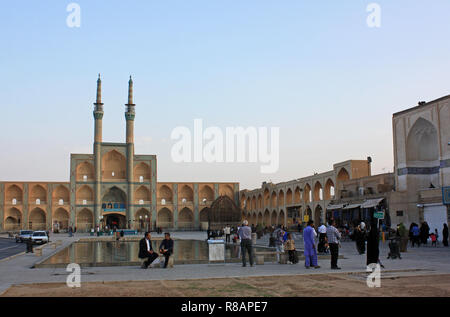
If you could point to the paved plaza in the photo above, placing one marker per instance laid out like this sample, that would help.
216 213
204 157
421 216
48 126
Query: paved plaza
423 261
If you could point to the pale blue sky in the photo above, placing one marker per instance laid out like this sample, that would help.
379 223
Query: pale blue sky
313 68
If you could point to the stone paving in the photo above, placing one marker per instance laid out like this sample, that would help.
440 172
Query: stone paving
417 261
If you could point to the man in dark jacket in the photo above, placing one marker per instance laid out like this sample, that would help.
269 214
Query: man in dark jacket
146 250
166 248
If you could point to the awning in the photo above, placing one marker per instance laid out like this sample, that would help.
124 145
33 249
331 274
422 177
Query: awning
338 206
371 203
351 206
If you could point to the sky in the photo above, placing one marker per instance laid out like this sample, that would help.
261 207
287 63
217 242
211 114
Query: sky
315 69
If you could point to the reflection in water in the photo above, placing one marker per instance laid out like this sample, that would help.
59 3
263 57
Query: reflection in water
115 252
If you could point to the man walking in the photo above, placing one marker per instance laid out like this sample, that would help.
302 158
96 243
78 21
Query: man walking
245 234
146 250
333 236
310 248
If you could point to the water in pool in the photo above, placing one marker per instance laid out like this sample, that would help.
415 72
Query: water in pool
112 253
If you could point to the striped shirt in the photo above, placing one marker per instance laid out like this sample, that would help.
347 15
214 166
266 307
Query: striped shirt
333 235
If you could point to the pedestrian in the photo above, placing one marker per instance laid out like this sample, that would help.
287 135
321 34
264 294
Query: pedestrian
227 231
415 235
445 235
279 242
70 231
29 243
290 247
245 234
309 246
424 232
322 239
360 238
333 237
373 251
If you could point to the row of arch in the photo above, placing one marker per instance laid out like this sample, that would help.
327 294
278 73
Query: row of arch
14 194
37 218
305 194
268 218
114 166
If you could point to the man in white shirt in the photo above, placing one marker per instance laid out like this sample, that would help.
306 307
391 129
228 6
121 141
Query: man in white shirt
227 231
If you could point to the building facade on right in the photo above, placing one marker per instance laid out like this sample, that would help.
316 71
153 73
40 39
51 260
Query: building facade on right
421 138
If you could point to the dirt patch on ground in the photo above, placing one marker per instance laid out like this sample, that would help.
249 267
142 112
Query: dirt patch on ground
273 286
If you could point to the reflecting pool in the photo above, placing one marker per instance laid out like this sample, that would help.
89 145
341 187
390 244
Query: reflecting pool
121 253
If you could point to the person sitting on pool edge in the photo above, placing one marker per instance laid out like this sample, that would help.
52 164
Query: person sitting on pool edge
146 250
166 248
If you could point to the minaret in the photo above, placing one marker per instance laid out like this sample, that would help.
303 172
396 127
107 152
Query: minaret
129 116
98 115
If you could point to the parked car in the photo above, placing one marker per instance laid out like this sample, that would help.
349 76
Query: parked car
39 237
24 235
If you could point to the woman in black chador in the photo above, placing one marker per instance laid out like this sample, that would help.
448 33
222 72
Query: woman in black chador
360 238
445 235
373 251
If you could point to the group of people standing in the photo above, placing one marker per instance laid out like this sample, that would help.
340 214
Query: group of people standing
419 236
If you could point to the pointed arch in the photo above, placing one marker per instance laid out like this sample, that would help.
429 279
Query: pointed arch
114 166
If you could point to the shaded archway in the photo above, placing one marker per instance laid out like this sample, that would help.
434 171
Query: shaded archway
14 195
260 204
13 219
165 195
114 166
85 220
206 194
318 191
142 195
143 219
186 194
142 173
61 219
288 197
280 202
266 198
61 195
164 218
85 172
266 220
260 218
281 218
254 203
274 218
204 214
185 218
85 195
273 199
343 175
37 219
226 190
297 195
114 200
307 193
422 142
38 195
329 189
318 216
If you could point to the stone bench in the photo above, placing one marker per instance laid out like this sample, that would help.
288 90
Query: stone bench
160 263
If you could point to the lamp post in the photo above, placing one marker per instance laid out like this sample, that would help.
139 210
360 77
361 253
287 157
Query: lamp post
140 223
147 222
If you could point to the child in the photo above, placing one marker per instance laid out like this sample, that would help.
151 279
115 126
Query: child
433 239
290 247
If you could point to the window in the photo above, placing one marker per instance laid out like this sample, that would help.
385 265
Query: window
112 174
38 201
321 194
361 191
85 178
14 201
141 202
84 202
163 201
183 200
399 213
204 201
141 179
332 191
61 202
